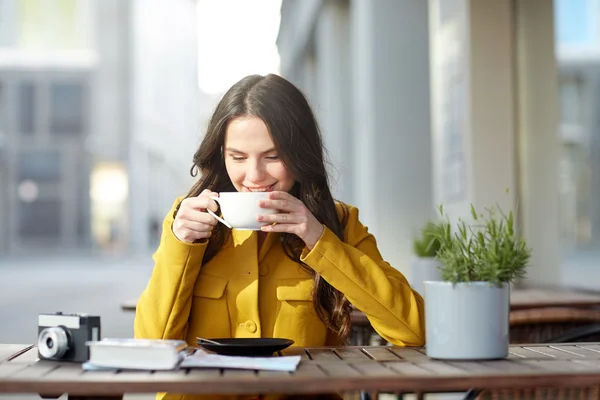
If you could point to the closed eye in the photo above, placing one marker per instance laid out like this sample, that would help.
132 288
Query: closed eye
272 157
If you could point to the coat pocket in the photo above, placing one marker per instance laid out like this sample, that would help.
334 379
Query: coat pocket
294 289
209 315
210 286
297 318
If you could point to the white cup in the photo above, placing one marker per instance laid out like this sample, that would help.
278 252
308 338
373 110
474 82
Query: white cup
240 209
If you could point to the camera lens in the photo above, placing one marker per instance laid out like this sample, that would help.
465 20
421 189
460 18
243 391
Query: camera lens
53 342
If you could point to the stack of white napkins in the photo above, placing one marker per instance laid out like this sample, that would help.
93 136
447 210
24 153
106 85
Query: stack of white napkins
202 359
148 354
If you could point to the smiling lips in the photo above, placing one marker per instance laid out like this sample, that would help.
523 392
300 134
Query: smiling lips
260 189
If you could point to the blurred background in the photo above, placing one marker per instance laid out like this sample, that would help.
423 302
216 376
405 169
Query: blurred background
421 102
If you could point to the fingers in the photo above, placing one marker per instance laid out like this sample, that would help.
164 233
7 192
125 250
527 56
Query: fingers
281 228
189 230
202 202
192 222
281 201
190 236
193 215
280 218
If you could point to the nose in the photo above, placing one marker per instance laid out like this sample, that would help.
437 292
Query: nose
256 172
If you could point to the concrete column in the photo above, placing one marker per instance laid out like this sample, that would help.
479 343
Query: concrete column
494 63
390 122
537 123
333 80
472 105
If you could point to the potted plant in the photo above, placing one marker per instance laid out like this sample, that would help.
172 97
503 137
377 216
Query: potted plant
467 314
423 265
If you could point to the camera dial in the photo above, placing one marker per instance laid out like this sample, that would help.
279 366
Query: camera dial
53 342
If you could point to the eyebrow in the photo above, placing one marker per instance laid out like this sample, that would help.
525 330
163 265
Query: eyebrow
232 150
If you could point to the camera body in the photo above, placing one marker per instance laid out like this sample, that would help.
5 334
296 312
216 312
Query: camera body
63 337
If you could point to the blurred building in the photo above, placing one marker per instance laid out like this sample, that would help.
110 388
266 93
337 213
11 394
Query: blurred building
434 102
98 120
578 54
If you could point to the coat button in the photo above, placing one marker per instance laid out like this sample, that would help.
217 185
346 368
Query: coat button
264 269
250 326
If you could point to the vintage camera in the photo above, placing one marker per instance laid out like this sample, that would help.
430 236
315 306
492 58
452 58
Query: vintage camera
63 337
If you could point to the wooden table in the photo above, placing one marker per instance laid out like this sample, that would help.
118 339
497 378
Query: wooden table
546 297
322 370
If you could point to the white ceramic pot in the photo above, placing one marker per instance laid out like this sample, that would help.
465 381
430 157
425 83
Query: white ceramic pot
423 269
468 321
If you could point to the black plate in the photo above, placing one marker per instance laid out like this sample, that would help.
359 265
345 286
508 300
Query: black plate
252 347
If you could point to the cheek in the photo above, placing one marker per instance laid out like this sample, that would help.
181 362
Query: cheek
279 172
235 171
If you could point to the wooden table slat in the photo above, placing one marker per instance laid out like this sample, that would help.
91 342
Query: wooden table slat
120 376
239 373
351 354
100 376
274 374
558 365
323 354
382 354
523 298
339 370
202 374
590 362
9 369
472 367
407 368
33 371
528 353
553 352
29 356
9 350
296 351
442 368
590 347
373 369
65 372
508 366
181 374
513 356
578 351
410 354
309 369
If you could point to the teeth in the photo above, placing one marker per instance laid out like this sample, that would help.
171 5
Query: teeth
259 190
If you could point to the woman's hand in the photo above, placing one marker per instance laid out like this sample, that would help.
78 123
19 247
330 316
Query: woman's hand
192 221
292 217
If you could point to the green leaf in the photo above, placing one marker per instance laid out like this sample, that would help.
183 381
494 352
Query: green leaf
489 249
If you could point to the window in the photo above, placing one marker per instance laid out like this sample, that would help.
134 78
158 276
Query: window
574 24
66 108
26 112
40 166
40 218
571 101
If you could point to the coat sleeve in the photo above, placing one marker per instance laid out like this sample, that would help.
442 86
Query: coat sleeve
163 308
355 267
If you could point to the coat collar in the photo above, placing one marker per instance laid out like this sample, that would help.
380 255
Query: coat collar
251 238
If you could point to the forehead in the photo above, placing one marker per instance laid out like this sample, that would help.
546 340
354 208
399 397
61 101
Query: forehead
248 134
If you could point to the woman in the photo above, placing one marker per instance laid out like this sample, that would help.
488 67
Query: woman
299 275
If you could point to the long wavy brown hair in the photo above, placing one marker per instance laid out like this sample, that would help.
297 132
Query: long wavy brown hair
298 142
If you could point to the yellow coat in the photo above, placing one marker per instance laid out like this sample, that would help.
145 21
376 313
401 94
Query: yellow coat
243 293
